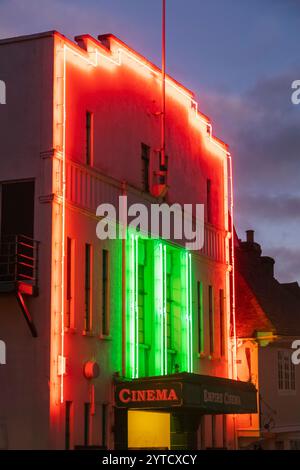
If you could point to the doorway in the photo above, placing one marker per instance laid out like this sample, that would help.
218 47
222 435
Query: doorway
149 430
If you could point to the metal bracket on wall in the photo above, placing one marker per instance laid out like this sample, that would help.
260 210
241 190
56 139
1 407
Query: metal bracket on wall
27 315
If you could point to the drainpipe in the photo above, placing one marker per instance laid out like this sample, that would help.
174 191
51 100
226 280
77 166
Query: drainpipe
234 352
234 364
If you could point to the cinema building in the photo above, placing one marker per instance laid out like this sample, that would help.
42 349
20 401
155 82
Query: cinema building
110 343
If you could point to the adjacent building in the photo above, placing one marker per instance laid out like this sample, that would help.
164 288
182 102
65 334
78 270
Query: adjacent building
116 343
268 323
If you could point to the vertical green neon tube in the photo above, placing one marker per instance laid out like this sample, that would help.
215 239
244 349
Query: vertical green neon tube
186 316
165 328
200 318
136 305
160 308
190 313
132 307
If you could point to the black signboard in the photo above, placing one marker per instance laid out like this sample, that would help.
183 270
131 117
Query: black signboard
207 394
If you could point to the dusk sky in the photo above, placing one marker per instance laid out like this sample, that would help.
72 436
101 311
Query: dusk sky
240 58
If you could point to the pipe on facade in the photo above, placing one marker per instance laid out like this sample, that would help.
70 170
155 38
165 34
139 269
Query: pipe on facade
163 71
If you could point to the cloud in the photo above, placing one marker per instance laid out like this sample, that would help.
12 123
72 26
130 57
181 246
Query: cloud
277 207
69 17
287 266
262 129
261 126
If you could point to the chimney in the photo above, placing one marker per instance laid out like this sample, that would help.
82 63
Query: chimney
250 236
250 247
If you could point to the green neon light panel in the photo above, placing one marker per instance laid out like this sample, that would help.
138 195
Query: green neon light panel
158 308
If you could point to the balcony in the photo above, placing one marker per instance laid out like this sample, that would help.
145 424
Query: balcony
19 265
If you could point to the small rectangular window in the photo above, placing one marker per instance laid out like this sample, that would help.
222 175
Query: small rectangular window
89 137
208 200
200 317
203 431
279 445
145 166
68 418
214 431
295 444
292 377
222 322
17 208
224 431
70 282
88 290
280 370
286 371
105 292
87 418
211 319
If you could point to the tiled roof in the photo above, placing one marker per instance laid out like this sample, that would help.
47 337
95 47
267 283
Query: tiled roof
263 303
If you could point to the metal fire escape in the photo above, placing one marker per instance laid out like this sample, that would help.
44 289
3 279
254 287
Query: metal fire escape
19 271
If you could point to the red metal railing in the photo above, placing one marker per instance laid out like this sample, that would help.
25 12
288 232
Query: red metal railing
18 260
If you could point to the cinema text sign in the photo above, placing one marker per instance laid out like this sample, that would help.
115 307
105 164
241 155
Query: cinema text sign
150 396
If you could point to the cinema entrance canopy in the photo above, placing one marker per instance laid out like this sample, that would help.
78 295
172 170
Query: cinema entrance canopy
184 396
201 392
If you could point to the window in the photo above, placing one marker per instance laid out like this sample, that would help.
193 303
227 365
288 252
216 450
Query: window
208 200
17 218
286 371
200 316
17 208
295 444
144 315
211 319
87 316
105 292
279 445
104 425
202 433
224 431
214 431
171 319
68 425
292 378
222 325
70 282
87 417
89 138
280 371
145 166
171 323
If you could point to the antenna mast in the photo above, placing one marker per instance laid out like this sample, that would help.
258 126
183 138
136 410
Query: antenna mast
163 71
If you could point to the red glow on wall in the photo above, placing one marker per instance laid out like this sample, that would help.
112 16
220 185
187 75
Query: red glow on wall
93 54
